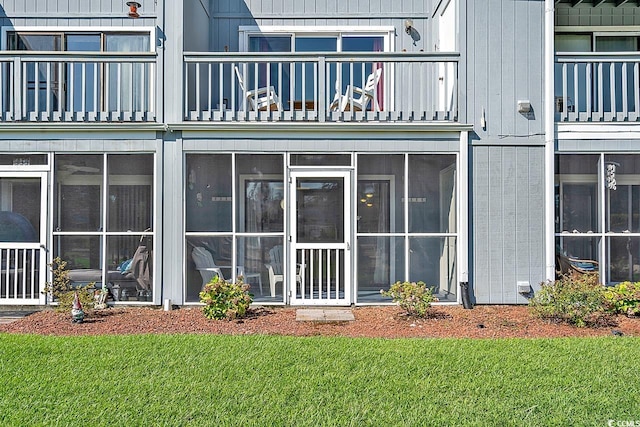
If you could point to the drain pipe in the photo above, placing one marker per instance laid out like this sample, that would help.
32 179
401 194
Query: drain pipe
466 298
549 141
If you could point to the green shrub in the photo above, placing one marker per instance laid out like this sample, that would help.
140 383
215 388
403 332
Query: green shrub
224 300
624 298
62 291
577 300
414 298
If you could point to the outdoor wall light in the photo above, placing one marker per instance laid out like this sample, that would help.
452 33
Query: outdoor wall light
408 25
133 9
524 107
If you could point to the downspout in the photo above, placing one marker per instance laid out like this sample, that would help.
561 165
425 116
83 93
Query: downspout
549 138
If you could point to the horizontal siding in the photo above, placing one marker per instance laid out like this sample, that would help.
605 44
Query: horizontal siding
507 238
320 145
597 145
603 15
78 145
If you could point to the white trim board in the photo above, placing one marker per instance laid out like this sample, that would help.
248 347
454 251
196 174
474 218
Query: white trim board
597 131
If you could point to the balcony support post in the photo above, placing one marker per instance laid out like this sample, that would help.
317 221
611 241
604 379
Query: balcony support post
322 89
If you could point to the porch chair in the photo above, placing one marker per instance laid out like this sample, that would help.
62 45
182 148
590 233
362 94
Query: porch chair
569 266
262 99
344 102
207 266
275 269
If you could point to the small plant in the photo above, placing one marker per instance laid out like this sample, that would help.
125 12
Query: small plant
61 290
577 300
224 300
624 298
414 298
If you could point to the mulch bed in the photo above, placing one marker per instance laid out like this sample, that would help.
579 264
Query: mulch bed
491 321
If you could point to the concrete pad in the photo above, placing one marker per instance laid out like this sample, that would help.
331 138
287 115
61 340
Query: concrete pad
339 315
324 315
5 320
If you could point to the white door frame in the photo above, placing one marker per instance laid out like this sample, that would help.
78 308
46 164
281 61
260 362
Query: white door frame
298 273
40 246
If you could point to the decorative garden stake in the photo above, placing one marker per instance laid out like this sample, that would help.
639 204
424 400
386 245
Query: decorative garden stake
77 314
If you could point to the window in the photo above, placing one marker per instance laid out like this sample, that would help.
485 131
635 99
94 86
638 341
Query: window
303 75
588 76
391 249
89 85
103 218
233 221
597 212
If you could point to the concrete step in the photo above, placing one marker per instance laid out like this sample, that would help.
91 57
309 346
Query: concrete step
324 315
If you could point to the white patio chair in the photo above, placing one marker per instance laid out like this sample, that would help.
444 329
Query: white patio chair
207 266
262 99
275 269
344 102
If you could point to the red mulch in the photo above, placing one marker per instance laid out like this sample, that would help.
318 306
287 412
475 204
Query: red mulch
386 322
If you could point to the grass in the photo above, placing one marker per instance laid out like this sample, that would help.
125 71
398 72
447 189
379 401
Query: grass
178 380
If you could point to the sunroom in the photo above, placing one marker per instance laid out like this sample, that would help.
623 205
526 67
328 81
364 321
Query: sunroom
323 228
598 212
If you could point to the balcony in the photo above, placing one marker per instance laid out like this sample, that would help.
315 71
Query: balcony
77 87
597 87
321 87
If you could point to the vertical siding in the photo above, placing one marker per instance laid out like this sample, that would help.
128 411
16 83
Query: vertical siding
196 15
228 15
505 63
46 8
507 221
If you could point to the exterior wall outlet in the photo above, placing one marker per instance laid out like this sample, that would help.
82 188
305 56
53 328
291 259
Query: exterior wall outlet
524 287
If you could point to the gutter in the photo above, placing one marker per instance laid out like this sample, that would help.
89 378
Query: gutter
549 137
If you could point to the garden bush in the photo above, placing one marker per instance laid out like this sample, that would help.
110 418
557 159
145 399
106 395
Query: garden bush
414 298
624 298
63 292
577 300
225 300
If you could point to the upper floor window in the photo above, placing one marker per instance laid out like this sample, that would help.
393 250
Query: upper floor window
85 83
79 41
316 39
597 42
594 73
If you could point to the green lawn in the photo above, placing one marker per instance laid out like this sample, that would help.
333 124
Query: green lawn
177 380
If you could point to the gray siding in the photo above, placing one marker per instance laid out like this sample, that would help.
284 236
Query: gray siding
598 145
504 50
507 241
69 13
71 145
73 8
230 14
603 15
241 143
197 16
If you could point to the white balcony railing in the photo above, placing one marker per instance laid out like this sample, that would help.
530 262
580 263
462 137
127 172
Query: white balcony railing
321 87
597 87
77 86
